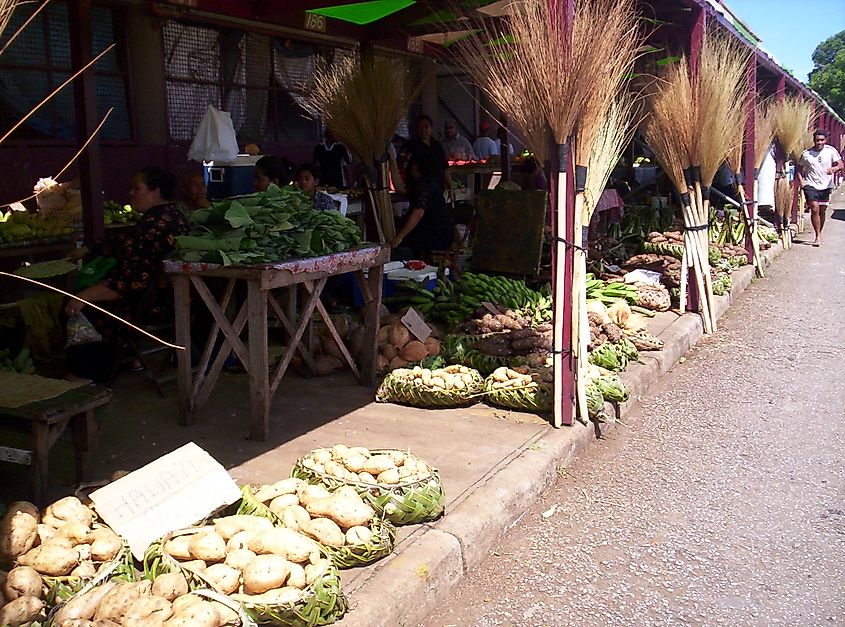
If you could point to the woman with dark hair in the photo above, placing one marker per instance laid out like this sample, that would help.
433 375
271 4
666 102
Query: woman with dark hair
428 226
136 274
270 169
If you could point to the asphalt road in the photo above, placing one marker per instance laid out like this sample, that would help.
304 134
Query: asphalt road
721 501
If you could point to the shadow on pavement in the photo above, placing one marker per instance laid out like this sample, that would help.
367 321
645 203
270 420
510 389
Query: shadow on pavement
838 214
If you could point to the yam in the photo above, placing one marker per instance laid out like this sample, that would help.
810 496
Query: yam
358 535
283 596
296 578
21 611
321 456
366 477
182 603
26 507
208 546
324 531
240 540
144 587
67 510
414 351
113 605
399 334
378 464
199 614
18 532
281 503
170 586
286 543
22 581
265 572
148 610
335 469
83 606
195 566
45 532
316 570
51 560
229 617
76 532
432 346
85 570
355 462
106 545
84 551
345 510
239 558
223 577
178 547
309 493
389 476
227 527
295 516
339 451
267 493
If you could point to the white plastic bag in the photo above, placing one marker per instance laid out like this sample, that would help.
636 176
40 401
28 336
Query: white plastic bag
215 139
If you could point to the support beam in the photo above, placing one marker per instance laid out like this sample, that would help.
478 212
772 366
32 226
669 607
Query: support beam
85 104
749 169
696 42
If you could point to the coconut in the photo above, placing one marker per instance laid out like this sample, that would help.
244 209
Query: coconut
432 346
389 351
414 351
382 363
397 362
324 364
384 335
399 334
330 347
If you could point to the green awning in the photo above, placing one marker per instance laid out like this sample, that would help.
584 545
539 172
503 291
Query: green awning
363 13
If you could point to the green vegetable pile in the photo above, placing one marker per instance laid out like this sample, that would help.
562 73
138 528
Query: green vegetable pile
21 363
265 227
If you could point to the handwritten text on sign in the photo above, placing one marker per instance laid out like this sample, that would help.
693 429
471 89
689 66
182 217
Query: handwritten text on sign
173 492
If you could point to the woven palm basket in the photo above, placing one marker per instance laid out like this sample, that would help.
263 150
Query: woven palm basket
61 589
348 556
396 388
322 601
532 397
402 504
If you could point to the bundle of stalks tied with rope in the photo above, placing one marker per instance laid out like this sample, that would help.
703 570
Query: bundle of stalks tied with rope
363 100
692 129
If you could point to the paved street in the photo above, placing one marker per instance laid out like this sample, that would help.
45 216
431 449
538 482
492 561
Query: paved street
722 499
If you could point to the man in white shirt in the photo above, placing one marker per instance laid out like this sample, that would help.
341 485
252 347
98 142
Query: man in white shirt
456 146
815 174
484 145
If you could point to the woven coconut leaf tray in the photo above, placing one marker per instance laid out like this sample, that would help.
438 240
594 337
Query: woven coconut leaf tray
347 556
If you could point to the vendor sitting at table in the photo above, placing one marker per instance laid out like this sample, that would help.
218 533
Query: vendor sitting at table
139 255
428 226
194 193
271 169
308 179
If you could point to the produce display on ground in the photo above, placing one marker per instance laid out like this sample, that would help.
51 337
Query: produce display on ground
406 490
348 540
520 388
452 386
265 227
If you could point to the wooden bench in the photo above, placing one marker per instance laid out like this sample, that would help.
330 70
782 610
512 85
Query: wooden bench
47 421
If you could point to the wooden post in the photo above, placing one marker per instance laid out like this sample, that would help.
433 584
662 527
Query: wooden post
749 170
259 384
182 307
504 151
372 322
85 105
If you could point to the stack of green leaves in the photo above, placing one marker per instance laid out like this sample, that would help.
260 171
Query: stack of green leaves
266 227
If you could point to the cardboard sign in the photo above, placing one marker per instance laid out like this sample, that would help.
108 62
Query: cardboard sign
16 206
491 308
173 492
416 325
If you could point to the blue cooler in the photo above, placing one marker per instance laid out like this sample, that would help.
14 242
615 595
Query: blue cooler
224 180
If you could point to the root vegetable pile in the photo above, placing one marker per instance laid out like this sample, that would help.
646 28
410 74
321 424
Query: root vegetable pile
451 386
398 348
360 465
520 388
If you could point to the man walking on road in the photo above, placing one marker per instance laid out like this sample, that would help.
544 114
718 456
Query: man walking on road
815 174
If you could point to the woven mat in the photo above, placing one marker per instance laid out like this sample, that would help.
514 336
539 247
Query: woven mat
17 390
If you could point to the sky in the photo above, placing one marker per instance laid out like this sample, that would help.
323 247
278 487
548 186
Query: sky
791 30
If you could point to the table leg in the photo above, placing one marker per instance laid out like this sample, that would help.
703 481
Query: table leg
372 321
182 306
40 474
84 435
259 385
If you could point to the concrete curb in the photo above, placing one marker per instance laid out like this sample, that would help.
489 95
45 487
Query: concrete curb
404 588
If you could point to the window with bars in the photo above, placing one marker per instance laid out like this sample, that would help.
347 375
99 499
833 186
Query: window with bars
38 61
259 80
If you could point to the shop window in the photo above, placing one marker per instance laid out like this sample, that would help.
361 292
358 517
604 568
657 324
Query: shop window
38 61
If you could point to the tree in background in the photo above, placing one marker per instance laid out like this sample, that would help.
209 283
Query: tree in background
828 76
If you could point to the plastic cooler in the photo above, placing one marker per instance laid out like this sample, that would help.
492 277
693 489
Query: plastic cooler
395 273
224 180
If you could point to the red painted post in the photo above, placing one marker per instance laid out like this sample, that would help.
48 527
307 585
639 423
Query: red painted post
749 169
90 172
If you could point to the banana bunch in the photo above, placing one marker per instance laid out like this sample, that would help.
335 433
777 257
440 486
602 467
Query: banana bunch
471 290
671 249
609 293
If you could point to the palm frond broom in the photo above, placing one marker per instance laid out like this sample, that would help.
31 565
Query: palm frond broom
363 101
691 130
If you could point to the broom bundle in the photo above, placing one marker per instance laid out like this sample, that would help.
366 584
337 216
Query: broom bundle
692 130
363 103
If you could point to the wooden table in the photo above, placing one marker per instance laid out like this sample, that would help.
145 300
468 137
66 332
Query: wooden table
261 281
48 419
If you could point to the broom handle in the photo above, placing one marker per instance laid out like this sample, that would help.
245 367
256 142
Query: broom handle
578 287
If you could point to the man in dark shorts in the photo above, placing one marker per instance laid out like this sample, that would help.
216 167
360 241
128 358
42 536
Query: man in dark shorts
815 174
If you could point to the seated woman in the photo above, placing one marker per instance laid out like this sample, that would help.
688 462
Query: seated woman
270 169
194 193
308 179
428 226
139 256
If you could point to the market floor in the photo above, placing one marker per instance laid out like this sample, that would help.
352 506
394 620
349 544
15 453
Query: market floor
722 499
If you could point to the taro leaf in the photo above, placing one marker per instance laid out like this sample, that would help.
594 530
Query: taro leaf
282 226
225 258
237 215
200 216
303 240
192 256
